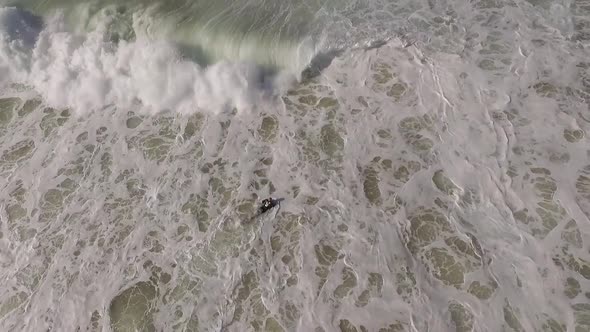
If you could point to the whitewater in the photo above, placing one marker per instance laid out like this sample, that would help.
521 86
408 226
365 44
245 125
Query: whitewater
432 158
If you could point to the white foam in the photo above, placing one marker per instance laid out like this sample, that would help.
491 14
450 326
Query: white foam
87 73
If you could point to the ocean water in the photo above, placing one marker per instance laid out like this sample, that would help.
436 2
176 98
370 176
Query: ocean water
432 156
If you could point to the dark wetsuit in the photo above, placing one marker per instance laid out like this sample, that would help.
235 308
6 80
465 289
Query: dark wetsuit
267 204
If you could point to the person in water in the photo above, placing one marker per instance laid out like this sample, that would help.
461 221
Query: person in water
267 204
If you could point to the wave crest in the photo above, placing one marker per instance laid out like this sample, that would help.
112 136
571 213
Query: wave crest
88 72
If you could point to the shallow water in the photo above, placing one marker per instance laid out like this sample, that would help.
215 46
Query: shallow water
438 180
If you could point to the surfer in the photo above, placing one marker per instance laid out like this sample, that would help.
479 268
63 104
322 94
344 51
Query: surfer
267 204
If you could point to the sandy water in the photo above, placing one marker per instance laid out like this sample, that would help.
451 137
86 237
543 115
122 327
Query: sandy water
436 181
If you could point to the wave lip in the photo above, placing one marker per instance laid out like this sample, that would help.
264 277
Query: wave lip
166 55
270 33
